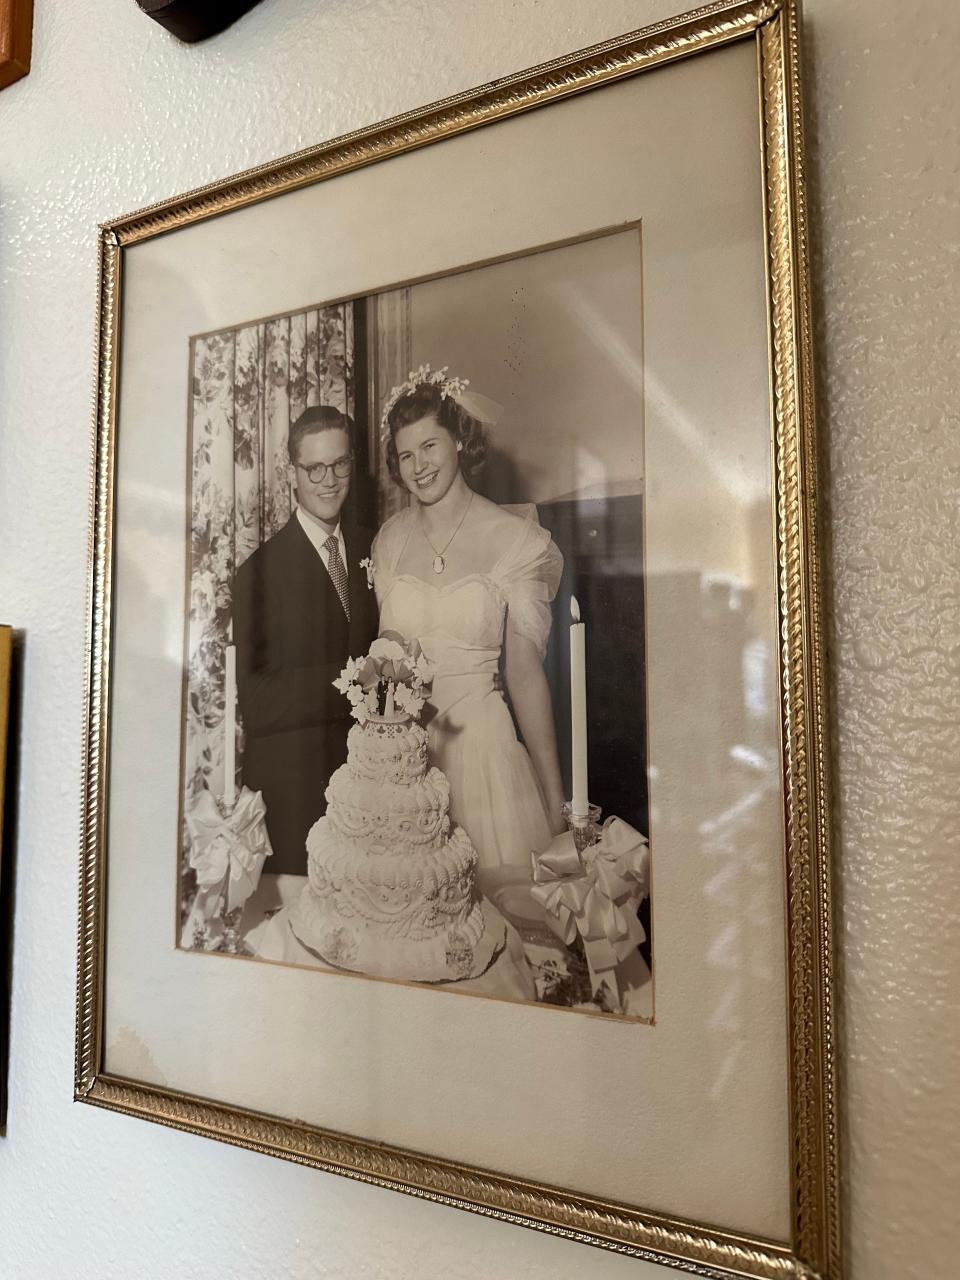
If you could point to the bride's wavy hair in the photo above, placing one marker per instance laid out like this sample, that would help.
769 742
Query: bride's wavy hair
425 401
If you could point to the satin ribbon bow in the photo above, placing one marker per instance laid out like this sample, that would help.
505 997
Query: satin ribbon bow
596 896
227 851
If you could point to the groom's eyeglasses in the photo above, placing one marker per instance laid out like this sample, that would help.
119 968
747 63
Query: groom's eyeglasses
317 471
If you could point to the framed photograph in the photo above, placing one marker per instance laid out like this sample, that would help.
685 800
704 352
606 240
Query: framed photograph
16 39
455 739
6 658
6 661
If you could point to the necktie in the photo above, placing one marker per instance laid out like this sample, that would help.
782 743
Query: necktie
337 572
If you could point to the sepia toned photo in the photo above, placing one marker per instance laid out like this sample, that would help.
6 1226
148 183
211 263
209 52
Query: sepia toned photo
453 731
414 704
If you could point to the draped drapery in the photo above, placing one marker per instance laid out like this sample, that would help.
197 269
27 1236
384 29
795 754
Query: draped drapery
248 385
392 349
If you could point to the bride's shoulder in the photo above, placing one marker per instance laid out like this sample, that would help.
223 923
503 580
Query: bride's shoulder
496 528
506 523
395 524
515 537
391 535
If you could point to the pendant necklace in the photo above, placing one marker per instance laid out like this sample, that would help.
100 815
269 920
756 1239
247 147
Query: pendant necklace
439 564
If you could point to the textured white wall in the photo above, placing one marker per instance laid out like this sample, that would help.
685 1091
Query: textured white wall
116 114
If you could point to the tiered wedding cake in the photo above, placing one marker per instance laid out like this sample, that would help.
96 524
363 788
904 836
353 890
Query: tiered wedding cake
391 886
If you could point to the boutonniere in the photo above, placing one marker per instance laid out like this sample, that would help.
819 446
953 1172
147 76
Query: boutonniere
367 564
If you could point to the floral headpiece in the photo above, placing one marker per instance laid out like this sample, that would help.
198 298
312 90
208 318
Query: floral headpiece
422 377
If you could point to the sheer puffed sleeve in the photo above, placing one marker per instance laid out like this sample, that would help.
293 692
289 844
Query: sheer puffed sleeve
387 549
529 575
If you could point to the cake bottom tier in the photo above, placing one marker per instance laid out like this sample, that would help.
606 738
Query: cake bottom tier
462 950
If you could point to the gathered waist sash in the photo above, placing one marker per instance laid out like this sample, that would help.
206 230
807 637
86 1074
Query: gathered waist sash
456 690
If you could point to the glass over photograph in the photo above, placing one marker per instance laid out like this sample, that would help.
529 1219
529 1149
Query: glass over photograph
414 702
454 734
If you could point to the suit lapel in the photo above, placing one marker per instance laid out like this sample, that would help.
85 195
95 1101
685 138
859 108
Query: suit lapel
319 595
318 585
359 595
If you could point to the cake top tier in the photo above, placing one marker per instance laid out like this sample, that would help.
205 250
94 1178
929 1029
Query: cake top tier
388 751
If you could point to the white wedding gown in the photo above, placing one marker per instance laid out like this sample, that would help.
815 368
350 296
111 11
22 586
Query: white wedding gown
495 794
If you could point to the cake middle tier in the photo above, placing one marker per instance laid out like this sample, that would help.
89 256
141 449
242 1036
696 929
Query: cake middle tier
389 817
413 894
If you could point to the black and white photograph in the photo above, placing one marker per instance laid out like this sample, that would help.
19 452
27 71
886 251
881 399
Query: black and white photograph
449 807
414 737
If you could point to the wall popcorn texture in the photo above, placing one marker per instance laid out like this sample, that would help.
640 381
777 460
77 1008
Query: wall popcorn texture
885 178
116 114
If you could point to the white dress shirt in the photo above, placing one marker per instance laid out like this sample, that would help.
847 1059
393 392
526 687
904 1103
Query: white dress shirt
318 536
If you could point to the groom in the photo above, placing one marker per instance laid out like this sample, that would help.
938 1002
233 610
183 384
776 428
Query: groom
301 607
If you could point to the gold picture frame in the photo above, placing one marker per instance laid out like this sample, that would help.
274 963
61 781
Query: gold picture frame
6 659
813 1248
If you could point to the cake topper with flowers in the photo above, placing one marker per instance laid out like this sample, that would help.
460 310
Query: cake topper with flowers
391 683
455 388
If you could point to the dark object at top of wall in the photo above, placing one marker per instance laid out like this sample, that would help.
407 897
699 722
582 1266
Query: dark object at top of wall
193 20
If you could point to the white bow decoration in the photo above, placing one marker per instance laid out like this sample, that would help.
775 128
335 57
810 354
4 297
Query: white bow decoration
596 895
227 850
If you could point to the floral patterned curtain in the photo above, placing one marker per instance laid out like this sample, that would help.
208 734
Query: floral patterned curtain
249 384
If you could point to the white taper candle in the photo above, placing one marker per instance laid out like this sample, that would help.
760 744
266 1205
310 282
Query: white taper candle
230 728
580 802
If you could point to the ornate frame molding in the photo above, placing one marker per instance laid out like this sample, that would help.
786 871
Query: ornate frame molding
815 1248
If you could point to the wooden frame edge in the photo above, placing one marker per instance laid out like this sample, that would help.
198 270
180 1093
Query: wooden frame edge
6 678
16 40
689 1246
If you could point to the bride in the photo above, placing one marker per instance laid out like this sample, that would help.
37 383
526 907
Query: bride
473 582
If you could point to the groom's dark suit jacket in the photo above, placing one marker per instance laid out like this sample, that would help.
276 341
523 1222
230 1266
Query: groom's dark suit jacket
292 639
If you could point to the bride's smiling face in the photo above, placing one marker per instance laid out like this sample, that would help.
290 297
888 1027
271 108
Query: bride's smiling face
428 459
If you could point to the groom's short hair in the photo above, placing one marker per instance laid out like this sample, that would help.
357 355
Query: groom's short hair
319 417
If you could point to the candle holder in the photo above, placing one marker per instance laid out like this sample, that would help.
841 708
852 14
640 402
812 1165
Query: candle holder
232 943
585 828
228 846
